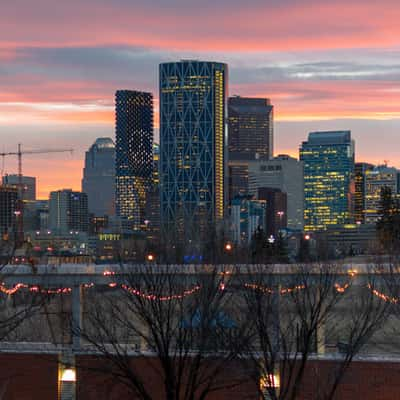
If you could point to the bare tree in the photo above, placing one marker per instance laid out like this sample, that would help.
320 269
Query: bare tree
176 325
295 313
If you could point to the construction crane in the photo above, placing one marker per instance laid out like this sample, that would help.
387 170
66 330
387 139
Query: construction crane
19 154
19 209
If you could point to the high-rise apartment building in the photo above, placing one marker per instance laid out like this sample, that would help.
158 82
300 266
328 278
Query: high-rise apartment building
99 177
134 158
8 210
360 171
68 211
328 159
375 179
286 174
28 185
192 147
250 137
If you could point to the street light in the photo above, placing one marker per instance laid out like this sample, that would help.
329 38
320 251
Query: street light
150 257
228 246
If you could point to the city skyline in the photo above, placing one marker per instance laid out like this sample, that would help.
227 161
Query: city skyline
324 66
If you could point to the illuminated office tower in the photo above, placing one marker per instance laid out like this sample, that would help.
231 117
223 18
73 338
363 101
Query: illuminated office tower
99 177
192 146
328 159
375 179
360 171
134 158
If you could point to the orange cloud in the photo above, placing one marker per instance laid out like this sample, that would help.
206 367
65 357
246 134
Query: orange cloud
227 26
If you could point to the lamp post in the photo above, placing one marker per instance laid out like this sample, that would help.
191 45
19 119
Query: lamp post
228 250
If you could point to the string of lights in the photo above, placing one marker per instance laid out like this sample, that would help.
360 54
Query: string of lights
383 296
153 297
188 292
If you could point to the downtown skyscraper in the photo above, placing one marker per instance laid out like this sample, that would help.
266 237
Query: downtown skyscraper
134 155
250 137
99 177
328 159
251 128
192 147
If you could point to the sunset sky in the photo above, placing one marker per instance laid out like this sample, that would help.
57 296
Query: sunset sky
324 64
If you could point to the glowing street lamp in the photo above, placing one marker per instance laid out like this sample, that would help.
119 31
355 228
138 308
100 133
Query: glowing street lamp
228 246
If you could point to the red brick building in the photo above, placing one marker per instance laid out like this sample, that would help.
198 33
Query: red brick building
36 376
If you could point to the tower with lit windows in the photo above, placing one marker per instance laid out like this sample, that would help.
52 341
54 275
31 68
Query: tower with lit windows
328 159
134 155
192 146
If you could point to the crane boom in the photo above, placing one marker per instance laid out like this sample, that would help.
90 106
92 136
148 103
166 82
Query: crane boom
41 151
20 152
20 205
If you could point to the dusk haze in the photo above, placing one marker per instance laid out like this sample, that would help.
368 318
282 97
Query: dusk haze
325 65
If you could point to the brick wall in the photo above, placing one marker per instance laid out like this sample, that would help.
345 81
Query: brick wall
28 377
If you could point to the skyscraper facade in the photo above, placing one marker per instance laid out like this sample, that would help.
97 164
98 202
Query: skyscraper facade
328 159
286 174
134 158
250 137
68 211
192 146
153 199
251 129
99 177
360 171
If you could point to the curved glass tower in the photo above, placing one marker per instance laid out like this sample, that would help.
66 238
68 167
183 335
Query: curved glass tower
192 147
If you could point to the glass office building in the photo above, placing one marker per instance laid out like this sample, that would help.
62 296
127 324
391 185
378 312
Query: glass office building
192 146
134 155
99 177
251 128
328 159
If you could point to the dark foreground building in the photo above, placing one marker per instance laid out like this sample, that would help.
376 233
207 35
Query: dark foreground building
31 375
8 207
